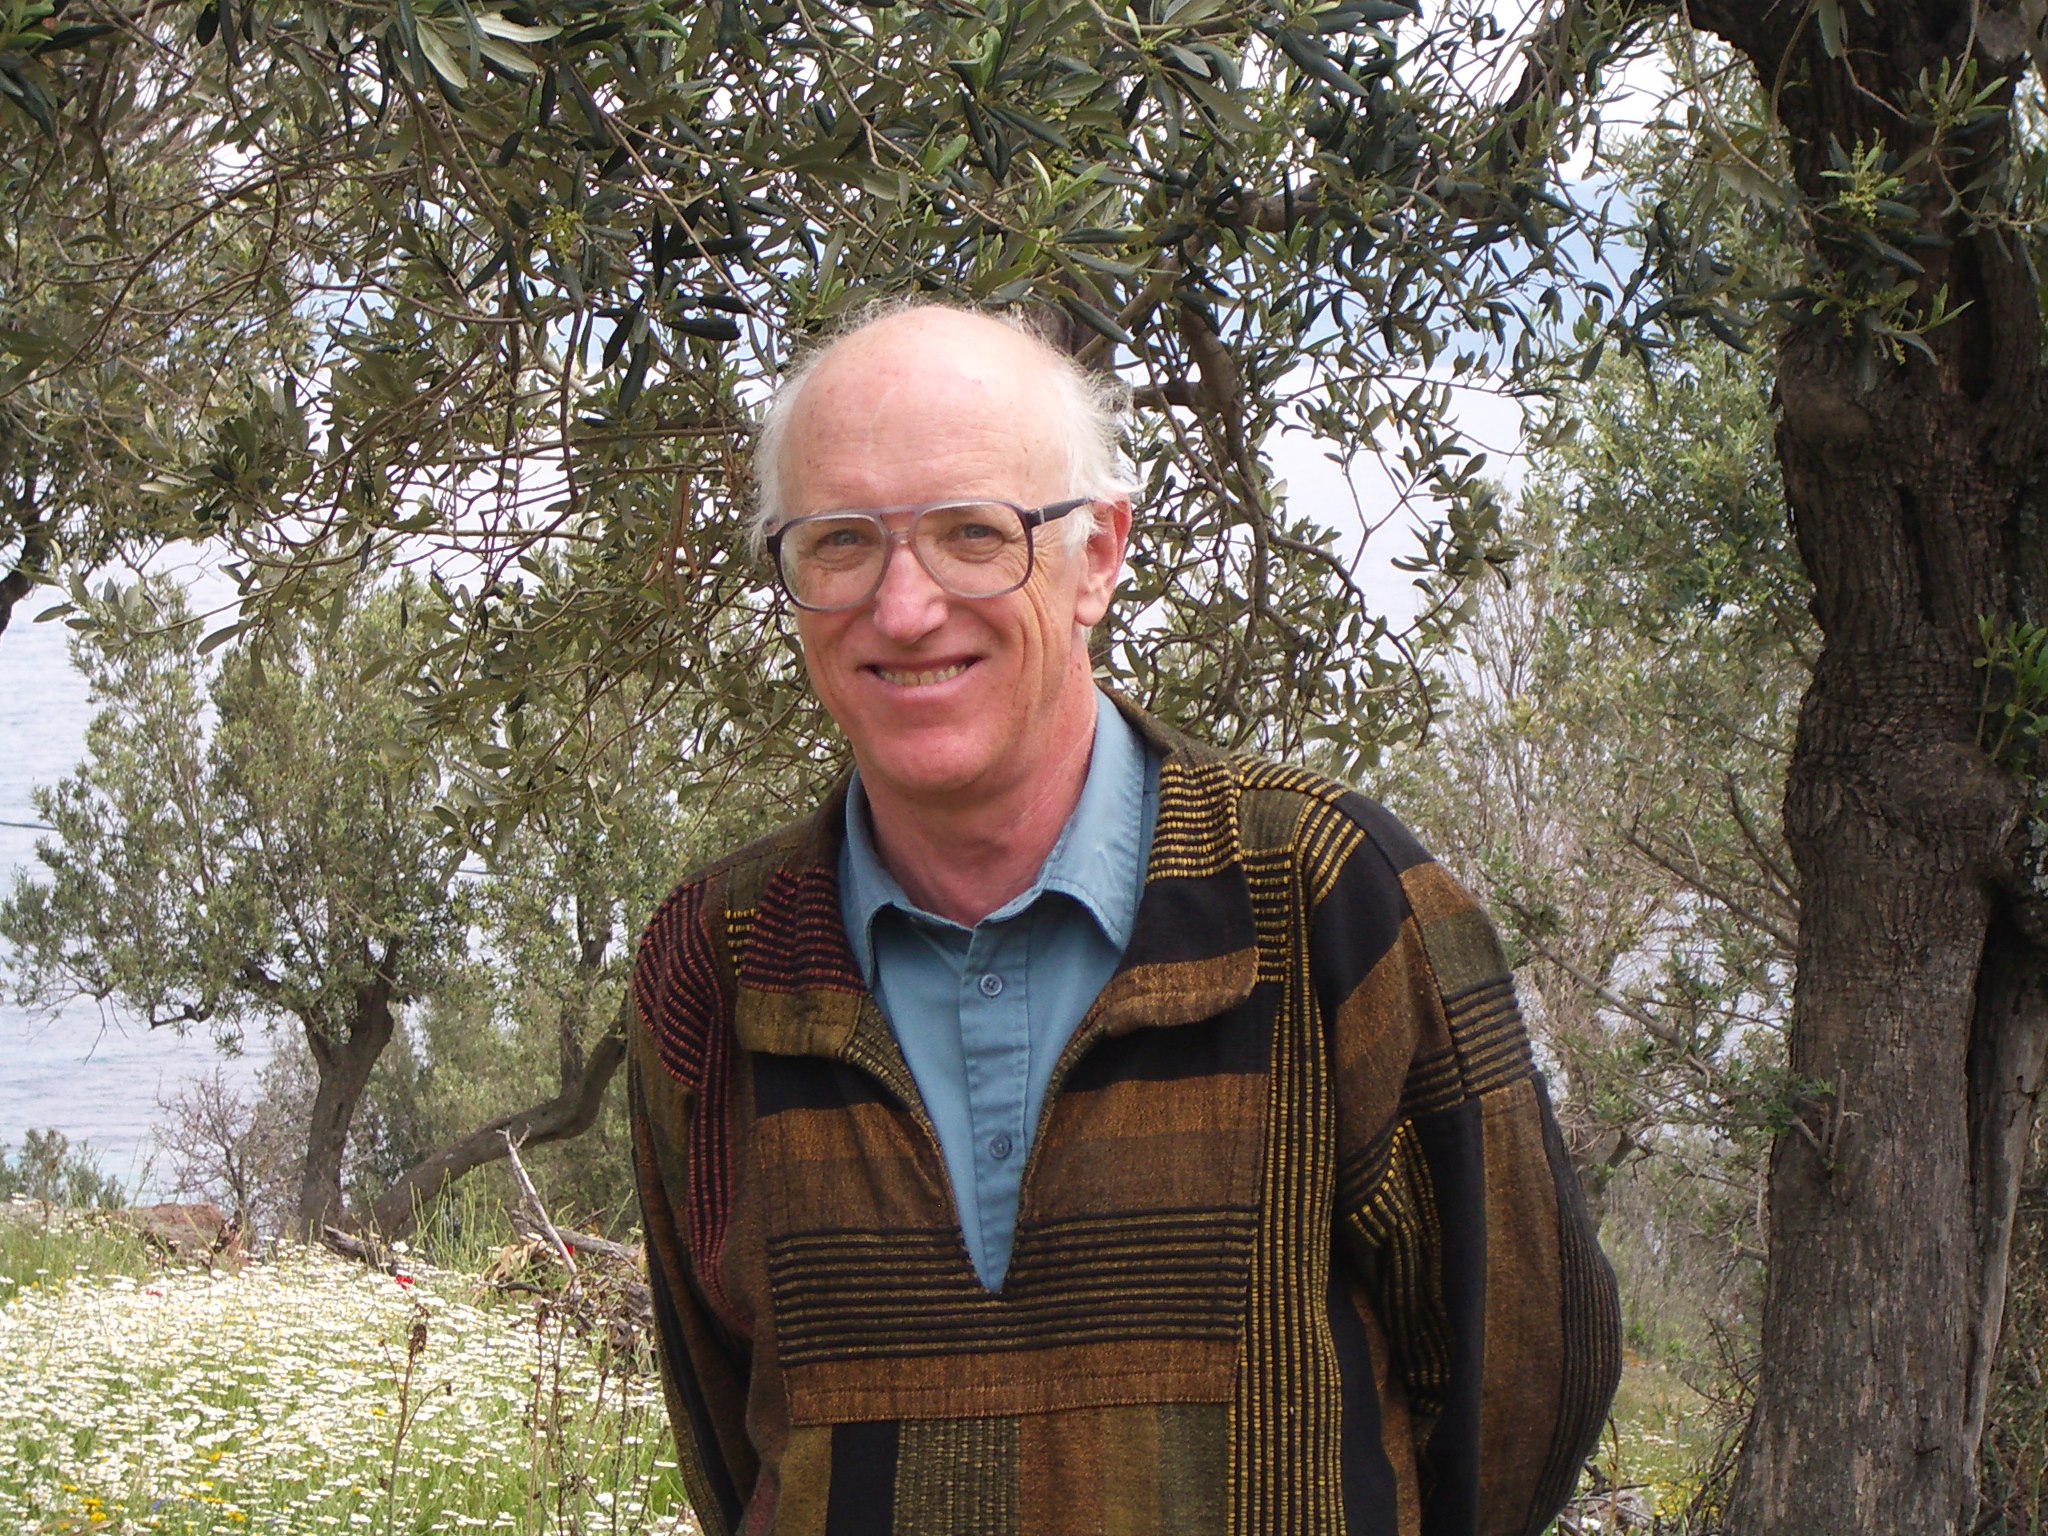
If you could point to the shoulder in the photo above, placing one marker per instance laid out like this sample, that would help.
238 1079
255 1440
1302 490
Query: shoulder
683 969
1378 902
1323 807
737 875
1370 884
1322 821
1374 889
1346 844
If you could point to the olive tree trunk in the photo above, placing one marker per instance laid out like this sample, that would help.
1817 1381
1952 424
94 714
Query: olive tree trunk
1920 1014
569 1113
343 1066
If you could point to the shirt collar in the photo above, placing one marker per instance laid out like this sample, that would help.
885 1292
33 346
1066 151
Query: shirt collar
1098 861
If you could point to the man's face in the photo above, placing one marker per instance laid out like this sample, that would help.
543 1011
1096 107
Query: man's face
945 697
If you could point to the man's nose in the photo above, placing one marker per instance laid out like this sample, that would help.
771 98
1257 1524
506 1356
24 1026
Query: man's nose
908 603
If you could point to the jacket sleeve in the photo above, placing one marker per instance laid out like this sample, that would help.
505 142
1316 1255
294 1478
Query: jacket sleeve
1459 1211
677 1088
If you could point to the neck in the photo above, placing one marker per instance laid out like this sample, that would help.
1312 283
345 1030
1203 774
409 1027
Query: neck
963 857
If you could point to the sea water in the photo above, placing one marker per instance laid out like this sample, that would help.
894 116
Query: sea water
85 1069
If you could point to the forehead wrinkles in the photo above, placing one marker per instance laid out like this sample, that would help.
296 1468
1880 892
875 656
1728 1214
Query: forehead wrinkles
884 404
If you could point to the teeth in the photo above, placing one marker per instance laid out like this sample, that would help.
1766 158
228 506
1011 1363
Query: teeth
920 679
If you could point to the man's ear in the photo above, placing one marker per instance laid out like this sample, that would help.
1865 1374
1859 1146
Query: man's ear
1103 560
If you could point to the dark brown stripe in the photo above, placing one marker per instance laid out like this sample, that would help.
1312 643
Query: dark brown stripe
895 1295
1591 1331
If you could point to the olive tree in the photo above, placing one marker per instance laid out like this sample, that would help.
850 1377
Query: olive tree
245 845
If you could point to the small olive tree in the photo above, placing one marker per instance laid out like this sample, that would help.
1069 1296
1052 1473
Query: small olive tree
247 843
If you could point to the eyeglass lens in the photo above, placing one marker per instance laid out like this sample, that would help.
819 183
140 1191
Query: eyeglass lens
973 549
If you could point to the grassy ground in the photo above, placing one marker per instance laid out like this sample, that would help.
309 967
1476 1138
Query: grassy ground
41 1246
1656 1453
306 1395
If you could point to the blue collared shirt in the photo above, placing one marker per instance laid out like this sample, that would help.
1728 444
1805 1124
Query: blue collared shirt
982 1014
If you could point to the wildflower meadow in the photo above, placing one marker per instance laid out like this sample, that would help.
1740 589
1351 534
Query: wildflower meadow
304 1393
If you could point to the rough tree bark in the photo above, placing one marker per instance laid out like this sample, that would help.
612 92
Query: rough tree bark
1915 490
343 1064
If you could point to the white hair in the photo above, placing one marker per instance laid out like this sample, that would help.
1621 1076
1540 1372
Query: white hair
1088 409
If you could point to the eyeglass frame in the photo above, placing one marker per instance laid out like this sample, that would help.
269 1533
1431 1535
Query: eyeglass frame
1033 518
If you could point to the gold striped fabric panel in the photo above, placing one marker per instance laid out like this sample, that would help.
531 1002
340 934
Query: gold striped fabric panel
1377 1035
818 1164
959 1476
1284 1471
1162 1276
1390 1204
1488 1046
1194 837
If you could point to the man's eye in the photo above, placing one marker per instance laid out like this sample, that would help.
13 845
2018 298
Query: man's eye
966 529
845 539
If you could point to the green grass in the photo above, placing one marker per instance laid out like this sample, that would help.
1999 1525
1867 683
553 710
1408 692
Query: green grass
309 1394
43 1245
1661 1441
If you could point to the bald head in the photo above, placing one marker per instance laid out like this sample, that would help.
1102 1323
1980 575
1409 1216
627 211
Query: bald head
898 378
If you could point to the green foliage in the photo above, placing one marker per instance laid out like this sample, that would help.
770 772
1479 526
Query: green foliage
1614 753
250 841
491 289
1750 233
1651 1466
49 1169
261 835
135 314
555 907
2013 703
465 1230
277 865
1609 775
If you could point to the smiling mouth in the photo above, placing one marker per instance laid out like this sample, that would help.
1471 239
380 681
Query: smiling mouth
921 679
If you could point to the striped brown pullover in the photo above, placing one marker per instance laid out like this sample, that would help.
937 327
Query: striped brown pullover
1299 1250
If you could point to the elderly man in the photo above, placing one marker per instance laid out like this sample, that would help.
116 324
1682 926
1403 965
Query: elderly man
1072 1128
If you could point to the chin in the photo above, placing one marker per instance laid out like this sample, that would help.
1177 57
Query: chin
930 768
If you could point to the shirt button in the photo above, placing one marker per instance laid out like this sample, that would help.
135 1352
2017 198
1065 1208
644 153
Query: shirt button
999 1146
991 984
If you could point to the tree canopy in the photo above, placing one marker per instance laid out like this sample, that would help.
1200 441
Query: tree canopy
257 839
497 284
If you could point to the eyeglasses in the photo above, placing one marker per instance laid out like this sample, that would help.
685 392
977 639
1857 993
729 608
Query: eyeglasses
832 561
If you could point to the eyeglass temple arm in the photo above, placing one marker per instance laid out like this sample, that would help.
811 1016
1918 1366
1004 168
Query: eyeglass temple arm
1038 517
